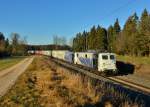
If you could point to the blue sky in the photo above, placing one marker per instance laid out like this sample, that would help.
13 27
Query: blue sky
39 20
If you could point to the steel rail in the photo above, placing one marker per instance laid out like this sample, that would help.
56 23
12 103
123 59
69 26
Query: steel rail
134 85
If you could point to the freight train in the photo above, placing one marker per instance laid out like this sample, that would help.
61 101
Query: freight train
102 62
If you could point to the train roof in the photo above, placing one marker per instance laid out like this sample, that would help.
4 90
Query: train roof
107 53
96 52
85 52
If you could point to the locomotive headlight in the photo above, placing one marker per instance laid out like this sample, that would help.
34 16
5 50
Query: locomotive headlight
103 64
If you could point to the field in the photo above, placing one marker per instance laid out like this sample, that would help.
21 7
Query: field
135 60
45 84
8 62
141 64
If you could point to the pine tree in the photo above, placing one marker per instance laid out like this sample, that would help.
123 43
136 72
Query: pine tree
79 42
2 36
7 43
74 45
130 33
149 34
144 38
116 32
85 41
15 43
2 45
110 37
117 27
82 42
101 39
113 34
92 38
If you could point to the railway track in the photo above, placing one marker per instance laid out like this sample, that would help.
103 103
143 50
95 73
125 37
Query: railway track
115 80
129 84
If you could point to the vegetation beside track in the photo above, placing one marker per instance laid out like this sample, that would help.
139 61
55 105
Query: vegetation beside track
10 61
141 64
135 60
46 84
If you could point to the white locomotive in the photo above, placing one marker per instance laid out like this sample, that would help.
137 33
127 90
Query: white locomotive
103 62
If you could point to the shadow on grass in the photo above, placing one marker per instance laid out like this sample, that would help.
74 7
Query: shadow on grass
106 101
125 68
130 97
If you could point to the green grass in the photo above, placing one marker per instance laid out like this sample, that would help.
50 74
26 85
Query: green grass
135 60
8 62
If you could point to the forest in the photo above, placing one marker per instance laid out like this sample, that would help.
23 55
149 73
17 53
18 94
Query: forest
133 39
15 46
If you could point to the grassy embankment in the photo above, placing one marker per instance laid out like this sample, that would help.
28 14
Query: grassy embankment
8 62
141 64
46 84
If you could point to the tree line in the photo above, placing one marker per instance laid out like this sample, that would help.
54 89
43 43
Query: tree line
48 47
59 43
15 46
133 39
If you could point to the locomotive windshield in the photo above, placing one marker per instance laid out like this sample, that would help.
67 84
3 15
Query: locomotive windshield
104 57
112 57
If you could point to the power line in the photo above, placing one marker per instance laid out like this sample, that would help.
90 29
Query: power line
105 16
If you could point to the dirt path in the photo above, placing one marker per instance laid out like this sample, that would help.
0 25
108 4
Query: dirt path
10 75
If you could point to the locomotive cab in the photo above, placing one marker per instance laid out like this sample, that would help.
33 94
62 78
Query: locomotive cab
107 62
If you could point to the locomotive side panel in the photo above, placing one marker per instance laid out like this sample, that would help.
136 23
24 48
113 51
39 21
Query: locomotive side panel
84 58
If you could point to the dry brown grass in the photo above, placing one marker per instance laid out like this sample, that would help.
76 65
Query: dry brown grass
83 92
46 84
127 104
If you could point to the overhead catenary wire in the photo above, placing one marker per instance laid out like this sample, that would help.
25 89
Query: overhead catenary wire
111 13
